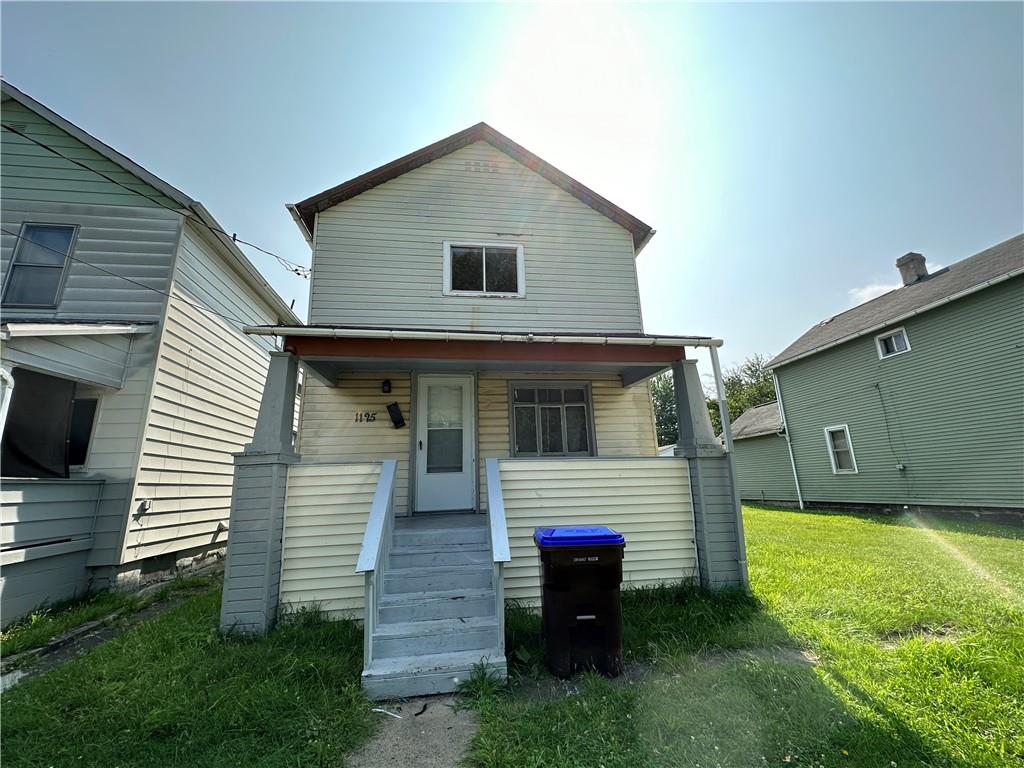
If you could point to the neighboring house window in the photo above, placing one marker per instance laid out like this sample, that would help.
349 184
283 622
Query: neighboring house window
482 269
83 416
892 343
551 420
840 450
46 429
37 269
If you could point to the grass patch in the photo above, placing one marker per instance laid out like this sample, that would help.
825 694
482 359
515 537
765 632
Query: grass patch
172 691
50 621
868 641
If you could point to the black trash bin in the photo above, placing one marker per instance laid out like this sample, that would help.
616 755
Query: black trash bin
581 571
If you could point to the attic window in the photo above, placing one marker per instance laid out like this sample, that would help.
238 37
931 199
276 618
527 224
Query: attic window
484 269
892 343
36 273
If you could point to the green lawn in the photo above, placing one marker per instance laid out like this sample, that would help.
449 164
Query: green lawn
173 692
870 641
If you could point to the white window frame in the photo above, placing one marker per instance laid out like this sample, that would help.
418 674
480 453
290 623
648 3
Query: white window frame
831 449
878 343
520 269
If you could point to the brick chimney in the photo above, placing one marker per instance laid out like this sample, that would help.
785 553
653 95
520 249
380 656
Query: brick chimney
911 267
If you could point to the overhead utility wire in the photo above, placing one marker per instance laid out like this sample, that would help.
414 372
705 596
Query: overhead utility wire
291 266
122 277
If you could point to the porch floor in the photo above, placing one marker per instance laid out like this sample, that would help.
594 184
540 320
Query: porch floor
436 616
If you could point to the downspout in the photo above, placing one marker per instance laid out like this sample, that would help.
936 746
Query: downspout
723 410
789 442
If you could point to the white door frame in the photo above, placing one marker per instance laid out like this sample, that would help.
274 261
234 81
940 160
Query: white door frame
429 490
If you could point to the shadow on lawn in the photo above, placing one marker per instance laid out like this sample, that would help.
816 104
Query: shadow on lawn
715 681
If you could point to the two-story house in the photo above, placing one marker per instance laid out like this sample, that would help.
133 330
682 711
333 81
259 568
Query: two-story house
127 382
912 400
476 367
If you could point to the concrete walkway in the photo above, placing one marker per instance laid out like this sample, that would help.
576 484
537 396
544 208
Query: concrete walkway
431 733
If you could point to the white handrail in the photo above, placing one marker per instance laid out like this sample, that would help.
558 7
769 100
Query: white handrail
496 513
376 523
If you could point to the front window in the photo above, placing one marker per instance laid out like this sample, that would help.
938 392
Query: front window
551 420
484 270
37 269
840 449
892 343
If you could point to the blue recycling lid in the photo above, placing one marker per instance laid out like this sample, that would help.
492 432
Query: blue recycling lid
577 536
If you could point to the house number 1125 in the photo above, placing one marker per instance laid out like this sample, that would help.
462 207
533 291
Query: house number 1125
366 416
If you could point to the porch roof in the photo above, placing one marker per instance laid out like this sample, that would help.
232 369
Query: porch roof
330 350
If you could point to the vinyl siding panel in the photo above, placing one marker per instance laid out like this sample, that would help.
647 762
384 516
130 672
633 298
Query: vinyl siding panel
763 469
328 431
647 500
325 518
378 256
100 360
204 402
30 172
951 410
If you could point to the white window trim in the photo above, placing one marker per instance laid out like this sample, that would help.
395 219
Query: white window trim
831 451
520 270
888 333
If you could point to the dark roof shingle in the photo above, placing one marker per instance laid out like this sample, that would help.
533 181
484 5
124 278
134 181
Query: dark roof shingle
994 263
757 421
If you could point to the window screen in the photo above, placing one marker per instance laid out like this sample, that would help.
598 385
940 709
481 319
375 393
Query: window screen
484 269
37 269
551 421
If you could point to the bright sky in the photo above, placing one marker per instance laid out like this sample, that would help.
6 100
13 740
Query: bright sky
786 154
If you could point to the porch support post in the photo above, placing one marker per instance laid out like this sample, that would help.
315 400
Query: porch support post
721 557
252 572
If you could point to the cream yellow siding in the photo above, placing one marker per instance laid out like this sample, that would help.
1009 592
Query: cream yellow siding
378 256
329 432
647 500
623 416
203 407
326 509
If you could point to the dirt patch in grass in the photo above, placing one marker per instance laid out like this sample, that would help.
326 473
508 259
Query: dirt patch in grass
945 633
426 732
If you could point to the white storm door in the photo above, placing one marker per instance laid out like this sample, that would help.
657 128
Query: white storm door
445 441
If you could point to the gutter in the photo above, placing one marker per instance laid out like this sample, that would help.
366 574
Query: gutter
789 441
900 318
398 334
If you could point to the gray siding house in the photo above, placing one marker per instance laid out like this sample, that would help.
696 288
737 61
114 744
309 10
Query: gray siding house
127 383
477 367
913 399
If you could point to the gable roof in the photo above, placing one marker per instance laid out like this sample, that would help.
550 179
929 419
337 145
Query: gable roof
993 265
305 211
757 421
189 208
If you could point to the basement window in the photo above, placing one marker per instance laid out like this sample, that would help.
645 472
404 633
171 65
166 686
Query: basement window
840 450
36 274
892 343
484 269
551 420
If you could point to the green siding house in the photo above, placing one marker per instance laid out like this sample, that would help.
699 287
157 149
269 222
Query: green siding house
913 399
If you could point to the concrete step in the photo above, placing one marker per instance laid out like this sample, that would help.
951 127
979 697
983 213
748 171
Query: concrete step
427 537
440 554
425 606
437 578
406 676
422 638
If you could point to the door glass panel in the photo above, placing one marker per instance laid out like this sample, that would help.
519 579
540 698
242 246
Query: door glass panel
551 430
444 406
526 429
444 450
576 438
444 428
